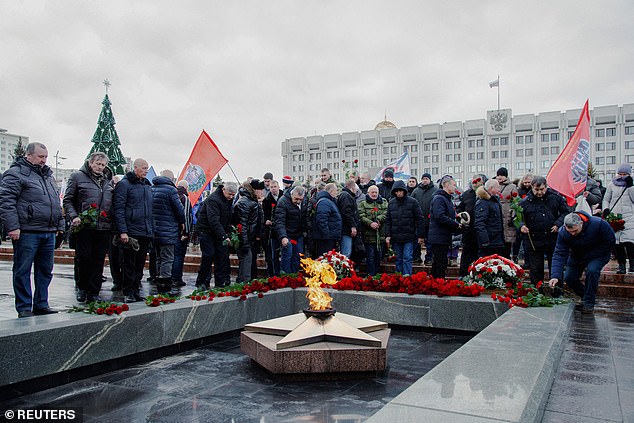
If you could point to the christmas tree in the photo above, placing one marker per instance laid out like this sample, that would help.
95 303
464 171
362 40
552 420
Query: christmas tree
106 139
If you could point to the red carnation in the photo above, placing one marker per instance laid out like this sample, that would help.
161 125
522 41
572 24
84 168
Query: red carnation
375 209
523 196
356 161
539 284
125 307
343 161
514 194
119 309
109 311
239 228
100 311
260 295
103 214
293 242
273 205
93 205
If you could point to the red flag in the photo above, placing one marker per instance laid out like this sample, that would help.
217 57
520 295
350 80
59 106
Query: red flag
569 173
205 161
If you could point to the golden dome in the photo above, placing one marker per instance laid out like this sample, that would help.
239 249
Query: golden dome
384 125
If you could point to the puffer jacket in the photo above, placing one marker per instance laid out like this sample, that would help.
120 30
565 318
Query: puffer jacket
30 198
442 222
507 188
595 241
403 222
215 215
594 192
83 189
326 223
540 214
133 206
167 211
183 196
489 224
348 209
248 214
290 221
385 189
423 194
624 207
372 211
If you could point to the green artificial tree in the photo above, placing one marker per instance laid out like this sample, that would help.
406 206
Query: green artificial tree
217 181
106 139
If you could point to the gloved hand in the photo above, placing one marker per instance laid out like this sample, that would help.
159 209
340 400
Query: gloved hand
605 213
628 181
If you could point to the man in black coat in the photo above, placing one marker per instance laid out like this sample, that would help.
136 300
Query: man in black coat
489 225
469 239
442 225
423 193
544 212
290 223
133 218
347 206
270 242
248 215
214 231
385 187
403 227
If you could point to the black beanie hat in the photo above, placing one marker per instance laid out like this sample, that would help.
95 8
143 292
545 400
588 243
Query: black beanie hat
503 172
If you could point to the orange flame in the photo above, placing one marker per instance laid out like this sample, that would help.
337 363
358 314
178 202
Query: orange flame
318 273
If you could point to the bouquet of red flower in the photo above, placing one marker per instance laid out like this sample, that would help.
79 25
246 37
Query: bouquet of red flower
343 266
234 240
495 272
88 218
616 222
101 307
518 211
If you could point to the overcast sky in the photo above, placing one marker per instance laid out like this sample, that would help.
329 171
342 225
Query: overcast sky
254 73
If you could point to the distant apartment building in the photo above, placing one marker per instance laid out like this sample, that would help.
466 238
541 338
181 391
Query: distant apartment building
527 143
8 142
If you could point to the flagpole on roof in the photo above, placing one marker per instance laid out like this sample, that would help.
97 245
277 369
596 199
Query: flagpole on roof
498 92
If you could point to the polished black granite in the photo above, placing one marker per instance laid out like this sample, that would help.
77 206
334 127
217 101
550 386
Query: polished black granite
218 383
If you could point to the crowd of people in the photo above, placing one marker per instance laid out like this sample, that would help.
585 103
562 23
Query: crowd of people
128 217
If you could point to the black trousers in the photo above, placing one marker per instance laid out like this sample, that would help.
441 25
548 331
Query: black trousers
324 245
624 251
440 261
115 257
536 261
133 265
91 247
469 255
214 252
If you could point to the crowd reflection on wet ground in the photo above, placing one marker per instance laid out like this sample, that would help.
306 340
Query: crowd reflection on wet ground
218 383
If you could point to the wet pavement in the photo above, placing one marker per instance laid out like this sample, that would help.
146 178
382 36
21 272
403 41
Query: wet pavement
218 383
595 378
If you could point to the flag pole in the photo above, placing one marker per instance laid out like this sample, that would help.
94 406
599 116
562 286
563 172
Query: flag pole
498 92
234 174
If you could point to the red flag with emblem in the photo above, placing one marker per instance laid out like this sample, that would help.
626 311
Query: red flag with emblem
205 161
569 173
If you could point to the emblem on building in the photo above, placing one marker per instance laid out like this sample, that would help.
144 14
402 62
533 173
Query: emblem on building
498 120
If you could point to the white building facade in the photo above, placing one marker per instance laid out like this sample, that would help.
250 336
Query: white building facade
522 143
8 142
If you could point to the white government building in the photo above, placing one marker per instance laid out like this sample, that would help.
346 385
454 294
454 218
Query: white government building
528 143
8 142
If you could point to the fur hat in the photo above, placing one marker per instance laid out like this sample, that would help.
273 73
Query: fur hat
256 184
625 168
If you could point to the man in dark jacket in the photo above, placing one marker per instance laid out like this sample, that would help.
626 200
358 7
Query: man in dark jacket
347 206
32 217
169 223
270 242
326 224
133 218
289 226
90 186
214 231
385 187
489 224
442 225
403 227
365 182
180 248
423 193
584 243
544 212
248 213
469 239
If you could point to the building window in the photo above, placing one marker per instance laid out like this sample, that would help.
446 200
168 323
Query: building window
480 155
545 164
629 158
610 146
545 151
480 142
495 154
600 132
413 148
528 139
414 160
448 145
554 136
519 166
448 157
336 155
599 160
495 141
393 150
386 161
554 150
504 140
434 147
600 147
426 147
519 139
610 132
570 133
457 157
435 158
504 154
629 130
545 137
519 153
301 157
457 144
386 150
610 160
471 156
629 145
425 159
414 172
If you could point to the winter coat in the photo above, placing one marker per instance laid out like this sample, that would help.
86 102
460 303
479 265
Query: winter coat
423 194
385 189
624 207
269 204
489 224
442 219
403 222
467 204
540 214
167 211
372 211
133 206
29 198
248 214
364 188
215 215
595 241
83 189
506 193
327 223
347 206
594 192
289 220
183 196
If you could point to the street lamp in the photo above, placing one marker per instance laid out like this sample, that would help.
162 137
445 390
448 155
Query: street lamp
57 163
